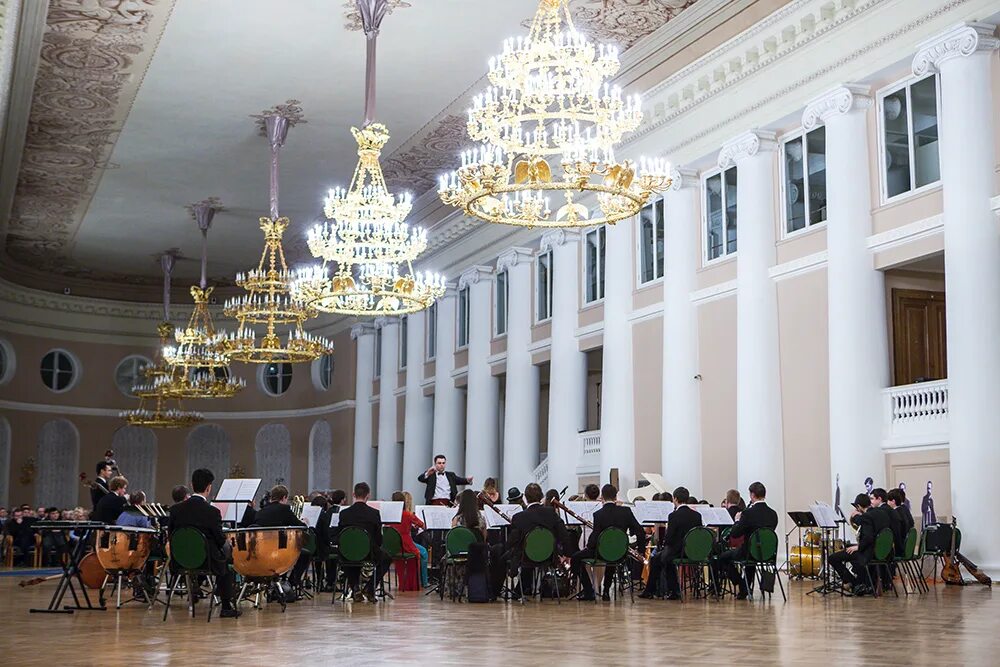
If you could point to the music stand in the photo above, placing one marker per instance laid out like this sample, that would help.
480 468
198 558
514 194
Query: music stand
437 521
70 567
800 520
826 520
234 496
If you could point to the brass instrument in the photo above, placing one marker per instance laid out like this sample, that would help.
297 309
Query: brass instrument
298 503
632 552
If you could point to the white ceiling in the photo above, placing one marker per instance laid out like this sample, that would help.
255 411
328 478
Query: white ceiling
189 136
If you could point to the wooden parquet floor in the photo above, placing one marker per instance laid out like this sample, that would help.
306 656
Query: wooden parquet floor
949 626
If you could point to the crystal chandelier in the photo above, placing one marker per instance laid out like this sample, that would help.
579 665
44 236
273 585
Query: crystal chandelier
159 403
268 300
365 243
199 357
550 99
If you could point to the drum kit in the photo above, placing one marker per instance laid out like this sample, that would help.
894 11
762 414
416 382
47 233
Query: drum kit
807 560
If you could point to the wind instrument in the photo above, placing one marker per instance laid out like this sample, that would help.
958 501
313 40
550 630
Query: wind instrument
492 505
632 552
298 503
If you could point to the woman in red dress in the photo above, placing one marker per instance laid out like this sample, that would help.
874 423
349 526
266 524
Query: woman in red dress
407 569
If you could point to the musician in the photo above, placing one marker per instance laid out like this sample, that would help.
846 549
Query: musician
610 515
490 491
360 515
550 495
879 499
326 535
99 488
278 514
680 521
441 485
469 515
535 515
515 497
409 522
198 512
110 507
131 516
897 501
592 492
757 515
869 524
734 503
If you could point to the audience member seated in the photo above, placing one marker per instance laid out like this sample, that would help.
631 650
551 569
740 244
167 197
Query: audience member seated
361 515
20 529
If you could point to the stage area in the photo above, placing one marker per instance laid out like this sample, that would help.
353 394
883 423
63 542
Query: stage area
949 626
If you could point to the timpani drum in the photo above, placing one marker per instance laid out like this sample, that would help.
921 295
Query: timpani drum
124 548
266 552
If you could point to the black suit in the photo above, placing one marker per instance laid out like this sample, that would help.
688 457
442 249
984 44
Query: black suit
896 525
608 516
23 535
196 512
757 515
97 493
904 515
430 483
870 524
361 515
508 556
109 508
277 515
680 521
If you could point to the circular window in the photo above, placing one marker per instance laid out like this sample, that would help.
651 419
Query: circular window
6 361
275 378
128 373
322 372
59 370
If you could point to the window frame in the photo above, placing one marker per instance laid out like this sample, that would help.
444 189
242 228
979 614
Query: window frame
74 363
430 344
704 218
639 283
502 276
548 286
316 371
906 82
404 332
377 361
602 263
262 378
800 136
463 319
130 357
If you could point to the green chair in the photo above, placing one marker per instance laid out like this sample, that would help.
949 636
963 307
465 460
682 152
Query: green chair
695 560
189 561
612 553
309 577
882 560
456 551
907 564
762 556
540 553
355 550
392 544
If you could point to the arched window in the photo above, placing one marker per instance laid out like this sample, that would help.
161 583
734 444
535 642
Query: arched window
273 448
4 461
320 456
58 465
59 370
7 361
128 373
135 452
208 447
275 378
322 372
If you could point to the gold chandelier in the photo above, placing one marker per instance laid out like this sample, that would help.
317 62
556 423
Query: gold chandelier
550 98
269 300
370 289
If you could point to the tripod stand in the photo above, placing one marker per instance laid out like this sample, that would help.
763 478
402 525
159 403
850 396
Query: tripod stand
831 583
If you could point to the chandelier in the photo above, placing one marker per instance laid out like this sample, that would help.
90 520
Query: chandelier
550 99
268 300
366 247
159 403
199 357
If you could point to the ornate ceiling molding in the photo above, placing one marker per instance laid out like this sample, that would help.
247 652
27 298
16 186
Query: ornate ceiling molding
93 60
352 17
417 164
622 22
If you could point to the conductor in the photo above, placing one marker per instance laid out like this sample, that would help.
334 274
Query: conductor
441 486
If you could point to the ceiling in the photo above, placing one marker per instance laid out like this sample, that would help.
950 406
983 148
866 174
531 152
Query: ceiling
141 107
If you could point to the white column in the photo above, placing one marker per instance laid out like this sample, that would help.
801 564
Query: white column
482 436
364 452
759 446
417 423
858 337
389 477
972 278
617 427
680 446
567 364
449 425
520 430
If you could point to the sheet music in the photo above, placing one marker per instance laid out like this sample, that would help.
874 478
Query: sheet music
652 511
391 510
334 519
826 516
238 489
713 516
494 520
231 511
436 517
585 508
310 513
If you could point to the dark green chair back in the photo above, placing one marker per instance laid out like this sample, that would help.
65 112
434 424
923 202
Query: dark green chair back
612 545
458 540
188 548
392 543
883 544
764 545
355 545
309 545
910 545
539 545
698 544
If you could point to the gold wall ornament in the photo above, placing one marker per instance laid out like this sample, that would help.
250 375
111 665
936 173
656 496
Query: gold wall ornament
237 471
28 470
550 100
